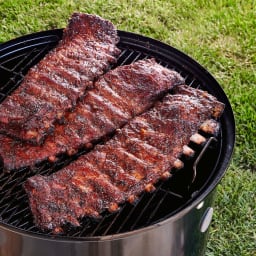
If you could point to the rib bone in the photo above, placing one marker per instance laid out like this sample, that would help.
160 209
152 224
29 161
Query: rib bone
187 151
210 126
198 139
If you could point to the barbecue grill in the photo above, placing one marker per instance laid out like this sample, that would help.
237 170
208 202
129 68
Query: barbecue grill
173 220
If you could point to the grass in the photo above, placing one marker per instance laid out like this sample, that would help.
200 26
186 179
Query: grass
220 35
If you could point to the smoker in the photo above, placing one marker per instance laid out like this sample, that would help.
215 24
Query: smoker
172 220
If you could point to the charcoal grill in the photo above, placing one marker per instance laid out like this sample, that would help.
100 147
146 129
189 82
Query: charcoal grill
171 221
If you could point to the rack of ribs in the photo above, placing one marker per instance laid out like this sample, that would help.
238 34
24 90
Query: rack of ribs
117 97
141 153
54 85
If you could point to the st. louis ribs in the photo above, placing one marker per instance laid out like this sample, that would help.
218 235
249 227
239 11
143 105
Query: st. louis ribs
142 152
117 96
53 86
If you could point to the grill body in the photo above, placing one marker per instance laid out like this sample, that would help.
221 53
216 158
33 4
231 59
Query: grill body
181 230
178 235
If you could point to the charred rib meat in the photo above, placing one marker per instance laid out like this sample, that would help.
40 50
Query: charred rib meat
117 96
141 153
53 86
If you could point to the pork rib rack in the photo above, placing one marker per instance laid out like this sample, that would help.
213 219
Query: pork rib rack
142 152
117 97
55 84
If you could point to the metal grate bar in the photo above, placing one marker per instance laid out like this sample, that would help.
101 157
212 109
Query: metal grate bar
142 212
17 67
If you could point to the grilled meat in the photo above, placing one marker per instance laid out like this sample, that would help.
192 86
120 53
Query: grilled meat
207 99
117 96
141 153
54 85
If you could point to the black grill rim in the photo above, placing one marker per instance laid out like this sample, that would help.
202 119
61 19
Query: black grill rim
182 62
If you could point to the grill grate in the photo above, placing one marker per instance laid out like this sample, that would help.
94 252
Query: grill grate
169 197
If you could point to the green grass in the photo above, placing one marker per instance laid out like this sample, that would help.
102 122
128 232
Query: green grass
220 35
233 230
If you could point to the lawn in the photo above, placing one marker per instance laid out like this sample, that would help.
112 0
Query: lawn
221 36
